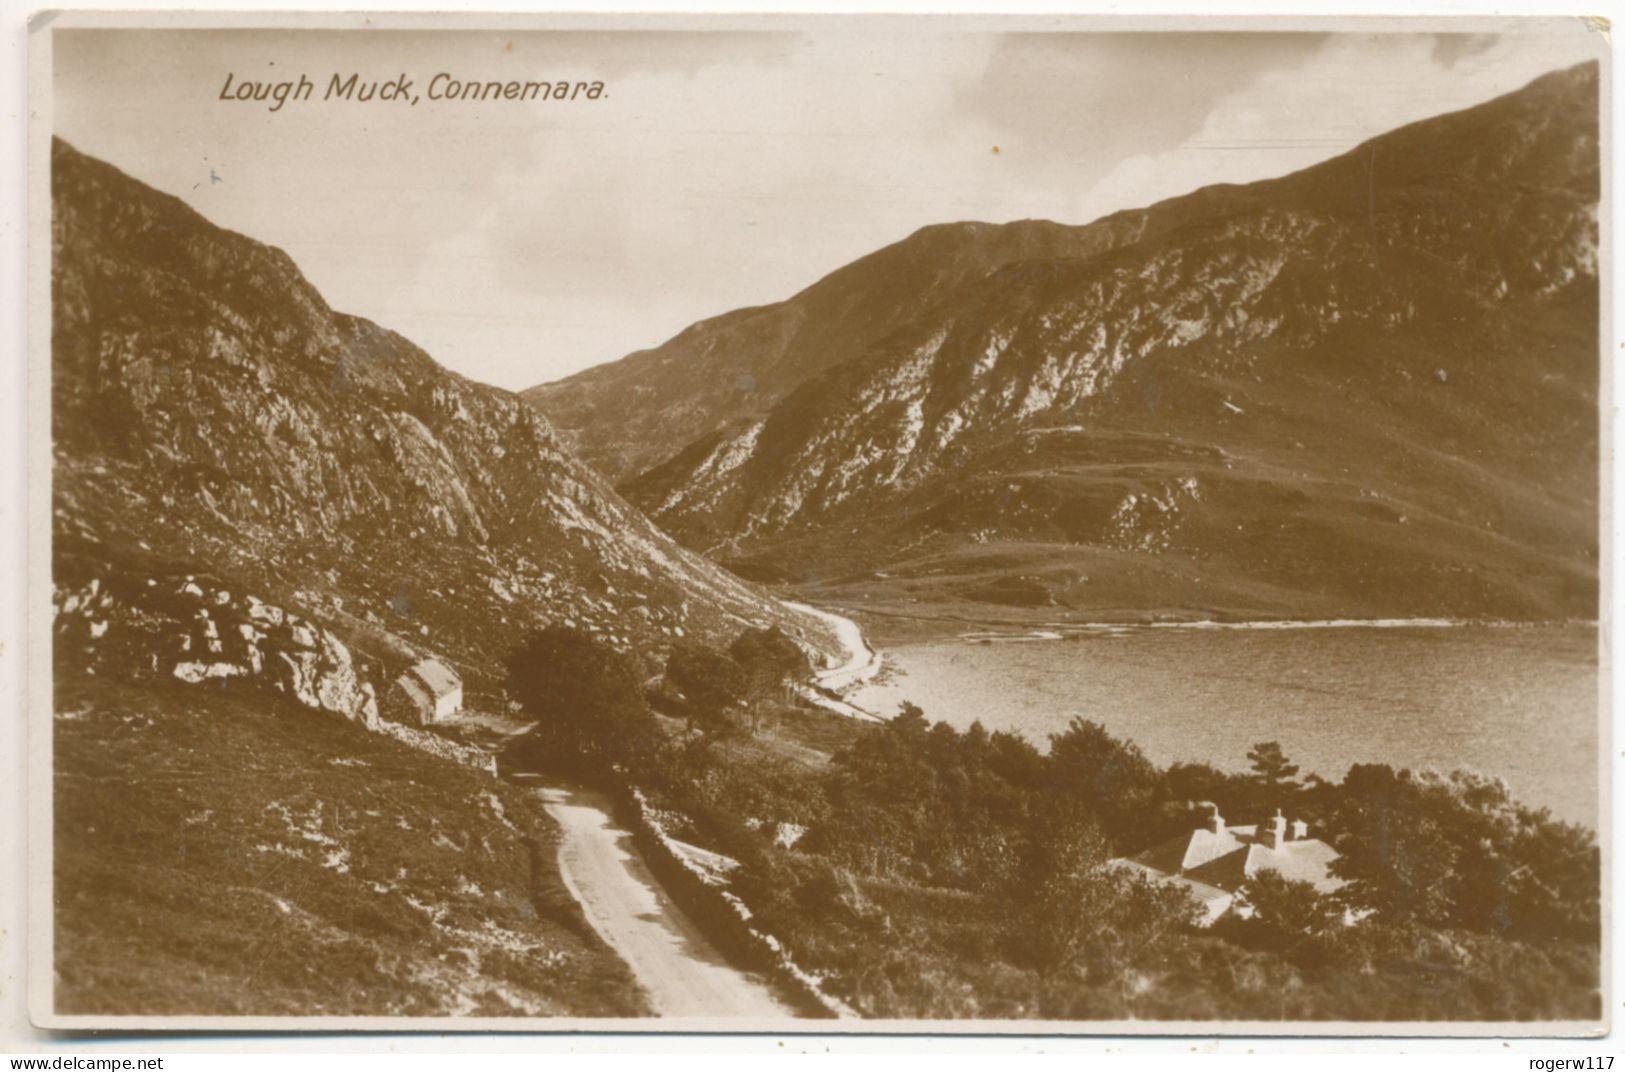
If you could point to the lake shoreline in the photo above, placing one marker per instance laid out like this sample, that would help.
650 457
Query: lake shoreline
886 623
1085 630
1512 700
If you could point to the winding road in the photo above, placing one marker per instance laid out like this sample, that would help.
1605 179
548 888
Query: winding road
681 971
861 662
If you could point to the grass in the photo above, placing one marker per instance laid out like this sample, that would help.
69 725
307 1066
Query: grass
216 855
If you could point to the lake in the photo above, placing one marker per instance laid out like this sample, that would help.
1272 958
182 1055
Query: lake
1519 702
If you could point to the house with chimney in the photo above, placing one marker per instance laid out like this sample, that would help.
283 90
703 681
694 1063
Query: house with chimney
1214 861
429 692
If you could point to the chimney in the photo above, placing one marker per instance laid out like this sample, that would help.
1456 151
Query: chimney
1300 830
1215 821
1275 836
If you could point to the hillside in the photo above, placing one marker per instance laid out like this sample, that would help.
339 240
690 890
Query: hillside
629 415
212 415
1365 389
215 854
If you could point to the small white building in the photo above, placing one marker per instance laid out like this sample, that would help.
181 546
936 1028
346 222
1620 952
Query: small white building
1214 861
430 692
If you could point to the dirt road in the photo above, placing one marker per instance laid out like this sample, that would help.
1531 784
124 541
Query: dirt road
857 664
682 972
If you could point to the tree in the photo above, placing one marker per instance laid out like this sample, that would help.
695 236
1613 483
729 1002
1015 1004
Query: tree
1271 767
1290 908
1396 858
1111 778
711 683
1455 850
909 724
586 698
1078 914
770 661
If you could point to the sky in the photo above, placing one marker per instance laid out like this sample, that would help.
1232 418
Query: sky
521 241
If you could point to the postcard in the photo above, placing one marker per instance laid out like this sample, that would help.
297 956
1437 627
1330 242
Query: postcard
820 524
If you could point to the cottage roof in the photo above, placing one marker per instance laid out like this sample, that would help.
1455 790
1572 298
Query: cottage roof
436 676
415 691
1189 850
1225 861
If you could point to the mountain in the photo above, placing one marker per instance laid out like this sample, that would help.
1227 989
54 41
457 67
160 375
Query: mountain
629 415
212 415
1368 388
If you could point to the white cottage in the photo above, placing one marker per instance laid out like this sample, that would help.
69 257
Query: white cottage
1214 861
429 692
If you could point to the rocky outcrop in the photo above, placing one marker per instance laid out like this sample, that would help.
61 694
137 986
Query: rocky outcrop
198 634
190 630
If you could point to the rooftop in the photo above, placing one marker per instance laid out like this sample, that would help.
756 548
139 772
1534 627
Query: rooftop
436 676
1213 861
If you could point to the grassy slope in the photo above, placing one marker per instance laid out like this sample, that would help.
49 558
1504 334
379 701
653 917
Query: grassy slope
214 857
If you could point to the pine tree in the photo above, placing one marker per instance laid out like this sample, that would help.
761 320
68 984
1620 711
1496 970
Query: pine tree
1271 767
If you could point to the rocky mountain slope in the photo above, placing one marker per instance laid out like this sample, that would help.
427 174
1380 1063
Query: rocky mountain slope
1367 388
629 415
212 416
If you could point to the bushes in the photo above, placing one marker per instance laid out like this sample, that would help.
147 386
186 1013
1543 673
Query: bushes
1288 908
1112 779
589 703
710 683
965 873
1457 851
760 665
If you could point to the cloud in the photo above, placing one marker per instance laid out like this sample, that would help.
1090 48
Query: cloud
696 193
1448 48
688 194
1352 87
1088 100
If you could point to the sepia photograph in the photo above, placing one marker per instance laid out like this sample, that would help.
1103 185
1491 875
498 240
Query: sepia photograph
838 524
